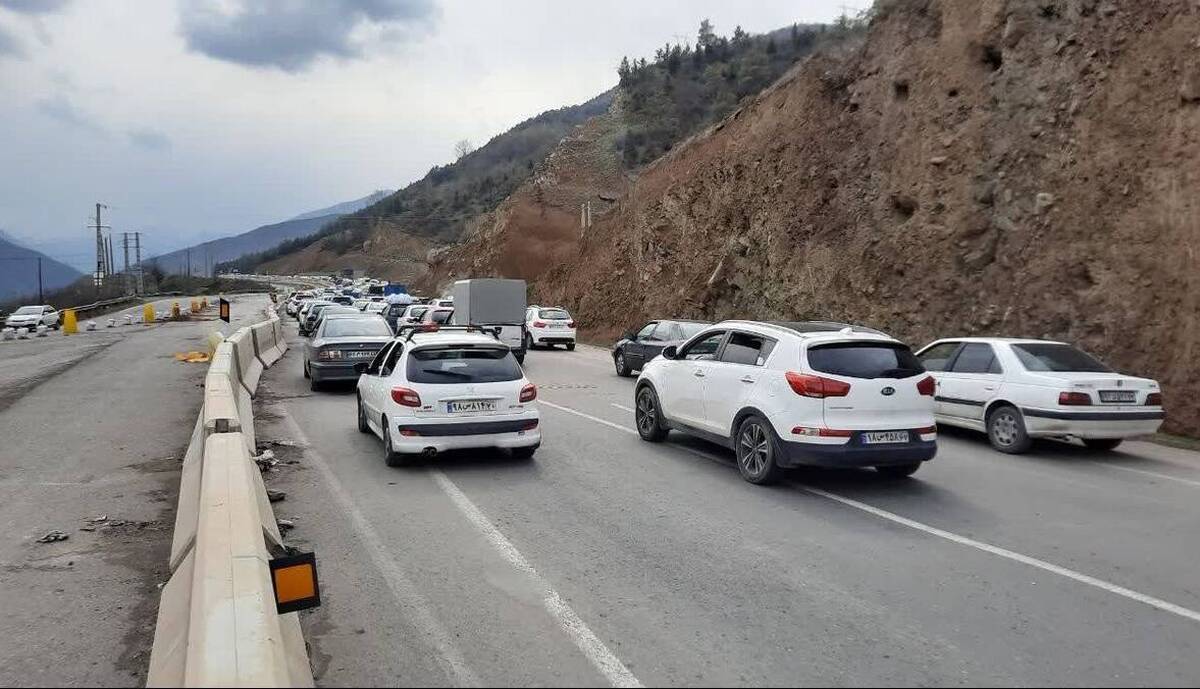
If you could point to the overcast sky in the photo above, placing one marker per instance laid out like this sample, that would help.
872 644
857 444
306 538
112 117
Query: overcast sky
194 119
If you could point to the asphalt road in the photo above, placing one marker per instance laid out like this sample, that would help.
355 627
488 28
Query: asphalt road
93 428
608 560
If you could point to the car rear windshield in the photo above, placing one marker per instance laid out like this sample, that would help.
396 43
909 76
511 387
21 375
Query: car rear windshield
1045 356
462 365
554 314
356 327
865 360
27 310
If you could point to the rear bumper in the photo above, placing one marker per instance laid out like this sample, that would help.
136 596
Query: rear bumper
1091 424
464 435
548 336
856 454
322 372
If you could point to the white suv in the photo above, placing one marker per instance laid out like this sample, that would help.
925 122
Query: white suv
436 389
549 327
789 394
1017 390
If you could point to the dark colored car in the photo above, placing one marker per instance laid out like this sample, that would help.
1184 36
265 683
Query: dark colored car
643 344
341 342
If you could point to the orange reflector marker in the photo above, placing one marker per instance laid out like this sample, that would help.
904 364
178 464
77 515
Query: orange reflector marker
295 582
224 310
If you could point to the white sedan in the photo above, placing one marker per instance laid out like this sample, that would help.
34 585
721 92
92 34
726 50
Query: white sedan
1017 390
434 389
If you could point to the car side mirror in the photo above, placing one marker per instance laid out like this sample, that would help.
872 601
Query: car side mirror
631 336
670 352
361 367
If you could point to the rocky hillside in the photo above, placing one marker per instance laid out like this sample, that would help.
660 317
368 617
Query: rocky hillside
1019 167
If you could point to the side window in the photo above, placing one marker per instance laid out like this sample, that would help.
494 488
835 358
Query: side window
664 332
751 350
389 364
373 369
704 349
644 333
937 357
976 357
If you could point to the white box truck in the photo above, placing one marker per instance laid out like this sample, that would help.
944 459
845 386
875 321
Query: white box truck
493 302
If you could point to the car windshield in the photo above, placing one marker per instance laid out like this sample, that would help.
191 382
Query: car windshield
28 311
462 365
554 314
690 330
1047 356
865 360
356 327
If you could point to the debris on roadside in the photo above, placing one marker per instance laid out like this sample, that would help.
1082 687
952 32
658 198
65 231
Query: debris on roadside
53 537
285 524
266 460
275 495
192 357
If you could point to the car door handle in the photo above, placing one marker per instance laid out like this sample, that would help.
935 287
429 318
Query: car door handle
698 373
989 389
747 379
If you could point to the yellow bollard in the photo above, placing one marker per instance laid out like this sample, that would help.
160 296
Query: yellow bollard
148 313
175 313
204 303
69 325
194 306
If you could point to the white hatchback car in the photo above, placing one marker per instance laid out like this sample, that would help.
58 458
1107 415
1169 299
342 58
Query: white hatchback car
548 327
789 394
1017 390
436 389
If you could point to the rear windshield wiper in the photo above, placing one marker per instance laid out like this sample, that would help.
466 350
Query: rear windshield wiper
447 373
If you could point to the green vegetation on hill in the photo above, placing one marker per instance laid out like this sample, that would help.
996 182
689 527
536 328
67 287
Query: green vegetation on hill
686 88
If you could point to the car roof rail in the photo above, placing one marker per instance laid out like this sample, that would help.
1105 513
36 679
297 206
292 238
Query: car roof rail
409 329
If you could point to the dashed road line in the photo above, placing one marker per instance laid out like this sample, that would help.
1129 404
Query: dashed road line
1014 556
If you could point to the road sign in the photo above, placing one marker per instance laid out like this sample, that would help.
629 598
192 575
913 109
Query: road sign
224 310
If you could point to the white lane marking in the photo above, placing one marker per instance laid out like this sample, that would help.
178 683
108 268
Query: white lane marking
589 417
1155 474
403 591
603 659
622 407
1163 605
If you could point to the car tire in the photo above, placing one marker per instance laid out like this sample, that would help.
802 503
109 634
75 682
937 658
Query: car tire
570 346
757 451
899 470
1102 444
528 341
363 426
390 456
622 365
1006 431
647 416
524 452
314 384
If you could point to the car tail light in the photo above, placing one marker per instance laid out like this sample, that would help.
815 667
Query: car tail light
1074 399
410 433
529 393
809 432
529 425
329 354
539 324
816 386
406 397
1154 399
927 386
927 430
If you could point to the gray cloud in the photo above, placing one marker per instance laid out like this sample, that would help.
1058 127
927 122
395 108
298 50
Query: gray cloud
149 139
291 35
34 6
9 45
60 109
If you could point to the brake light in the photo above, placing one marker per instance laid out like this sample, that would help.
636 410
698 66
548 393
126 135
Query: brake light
329 354
429 328
1154 399
809 432
529 393
928 430
927 386
405 397
529 425
539 324
1074 399
816 386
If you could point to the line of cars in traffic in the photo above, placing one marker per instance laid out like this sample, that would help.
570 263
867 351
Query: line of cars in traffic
784 394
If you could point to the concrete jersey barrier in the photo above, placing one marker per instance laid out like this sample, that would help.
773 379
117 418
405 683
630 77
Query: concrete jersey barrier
266 343
248 366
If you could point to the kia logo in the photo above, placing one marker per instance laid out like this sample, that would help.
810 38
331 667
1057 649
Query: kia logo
888 392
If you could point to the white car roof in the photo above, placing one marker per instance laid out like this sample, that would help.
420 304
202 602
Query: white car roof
997 340
850 332
451 338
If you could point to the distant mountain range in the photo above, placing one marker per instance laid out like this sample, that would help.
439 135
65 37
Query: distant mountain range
19 270
209 254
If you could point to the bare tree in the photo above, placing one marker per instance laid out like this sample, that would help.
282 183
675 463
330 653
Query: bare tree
463 148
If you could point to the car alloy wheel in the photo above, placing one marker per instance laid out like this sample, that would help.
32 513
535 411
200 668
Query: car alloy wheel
754 449
646 416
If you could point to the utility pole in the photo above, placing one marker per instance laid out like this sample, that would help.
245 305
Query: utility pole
98 277
137 247
189 261
111 266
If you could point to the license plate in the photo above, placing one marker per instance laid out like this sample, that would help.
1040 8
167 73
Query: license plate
1127 396
360 355
468 406
558 325
885 437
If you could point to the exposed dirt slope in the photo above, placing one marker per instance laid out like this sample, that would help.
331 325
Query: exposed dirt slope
387 253
540 225
973 167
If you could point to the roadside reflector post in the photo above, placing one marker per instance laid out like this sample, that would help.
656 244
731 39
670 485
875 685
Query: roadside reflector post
224 310
294 580
148 313
70 325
